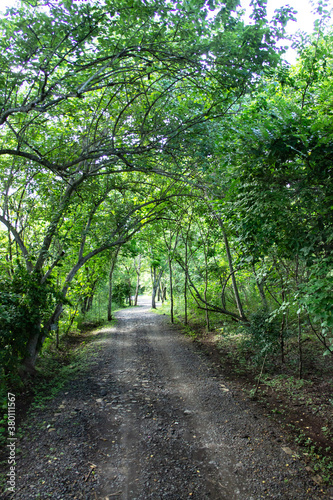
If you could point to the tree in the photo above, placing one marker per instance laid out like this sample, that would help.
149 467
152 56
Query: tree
171 239
279 204
107 218
112 268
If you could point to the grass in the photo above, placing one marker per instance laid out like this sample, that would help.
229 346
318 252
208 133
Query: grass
57 367
289 384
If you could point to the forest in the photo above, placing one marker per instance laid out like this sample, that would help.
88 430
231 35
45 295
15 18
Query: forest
165 148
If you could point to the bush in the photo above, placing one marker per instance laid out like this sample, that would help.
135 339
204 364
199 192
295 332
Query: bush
25 304
262 335
120 292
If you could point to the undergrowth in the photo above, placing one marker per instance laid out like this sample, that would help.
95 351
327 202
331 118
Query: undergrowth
54 369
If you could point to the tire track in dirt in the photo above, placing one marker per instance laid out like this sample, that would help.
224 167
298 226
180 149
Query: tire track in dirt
190 436
168 459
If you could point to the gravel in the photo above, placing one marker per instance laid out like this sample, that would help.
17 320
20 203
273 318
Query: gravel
153 419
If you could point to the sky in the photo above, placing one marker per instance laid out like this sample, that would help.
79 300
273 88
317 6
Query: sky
305 17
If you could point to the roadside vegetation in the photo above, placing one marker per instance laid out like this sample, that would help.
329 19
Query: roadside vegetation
303 407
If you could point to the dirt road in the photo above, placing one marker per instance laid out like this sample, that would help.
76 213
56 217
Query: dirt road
152 419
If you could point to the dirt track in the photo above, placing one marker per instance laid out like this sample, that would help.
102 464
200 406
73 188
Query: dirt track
152 419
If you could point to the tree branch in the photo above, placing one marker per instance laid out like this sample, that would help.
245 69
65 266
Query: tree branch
211 307
18 241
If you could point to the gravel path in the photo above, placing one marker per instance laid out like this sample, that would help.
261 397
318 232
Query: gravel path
152 419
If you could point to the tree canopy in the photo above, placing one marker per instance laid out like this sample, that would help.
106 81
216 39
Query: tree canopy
178 129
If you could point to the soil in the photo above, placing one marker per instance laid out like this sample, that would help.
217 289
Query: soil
155 418
306 409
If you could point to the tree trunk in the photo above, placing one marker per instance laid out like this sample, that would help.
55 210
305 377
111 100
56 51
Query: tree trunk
282 330
137 281
231 269
28 364
233 278
206 310
84 305
162 292
171 289
129 292
230 263
185 284
300 350
90 302
110 296
53 225
206 287
72 317
260 286
57 337
171 251
156 284
10 254
113 264
36 341
299 336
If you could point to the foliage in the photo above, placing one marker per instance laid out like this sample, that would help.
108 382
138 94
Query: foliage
316 298
262 335
121 291
25 304
174 134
